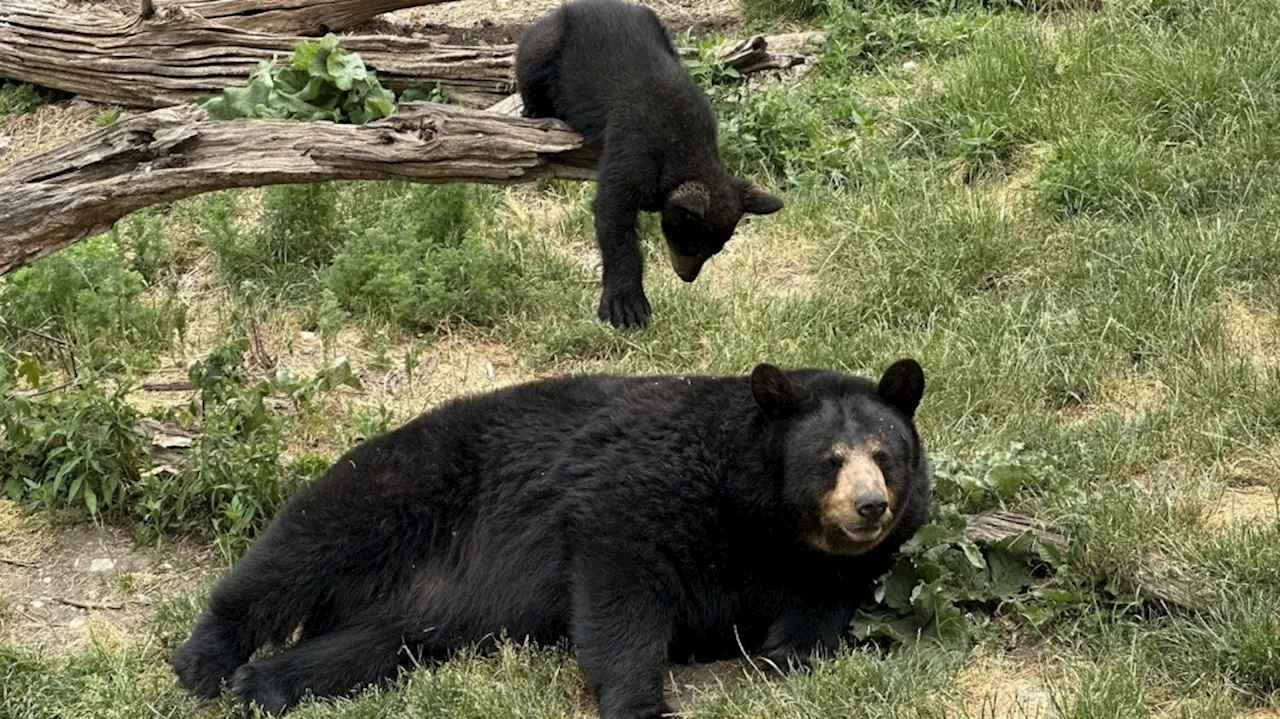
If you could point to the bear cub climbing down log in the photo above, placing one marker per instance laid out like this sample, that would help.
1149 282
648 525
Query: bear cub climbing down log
609 70
645 519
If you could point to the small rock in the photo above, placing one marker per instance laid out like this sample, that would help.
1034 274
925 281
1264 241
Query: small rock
910 65
166 566
37 604
76 623
142 598
48 580
307 336
101 564
6 143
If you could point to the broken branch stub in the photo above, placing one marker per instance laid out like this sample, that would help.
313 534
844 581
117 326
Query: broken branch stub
80 189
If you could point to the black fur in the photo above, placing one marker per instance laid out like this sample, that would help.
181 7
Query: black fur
608 69
645 519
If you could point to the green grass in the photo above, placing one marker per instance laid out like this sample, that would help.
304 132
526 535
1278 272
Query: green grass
1069 217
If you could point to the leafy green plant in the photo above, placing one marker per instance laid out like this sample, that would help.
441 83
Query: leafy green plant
434 93
234 478
944 586
17 98
91 297
323 81
425 266
70 448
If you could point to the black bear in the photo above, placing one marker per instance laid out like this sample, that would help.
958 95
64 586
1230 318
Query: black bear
608 69
644 519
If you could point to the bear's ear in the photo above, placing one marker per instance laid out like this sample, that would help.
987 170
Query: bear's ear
758 202
777 396
693 197
902 385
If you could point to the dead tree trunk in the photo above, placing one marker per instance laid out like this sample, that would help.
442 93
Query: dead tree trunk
174 55
294 17
81 189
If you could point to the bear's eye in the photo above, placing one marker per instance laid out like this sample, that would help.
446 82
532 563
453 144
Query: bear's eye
880 457
834 461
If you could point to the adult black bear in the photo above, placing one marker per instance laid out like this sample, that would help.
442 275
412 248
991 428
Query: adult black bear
607 68
643 518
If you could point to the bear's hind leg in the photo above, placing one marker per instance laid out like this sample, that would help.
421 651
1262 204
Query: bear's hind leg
341 662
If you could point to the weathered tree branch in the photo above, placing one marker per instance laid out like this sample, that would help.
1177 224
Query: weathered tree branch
173 55
82 188
295 17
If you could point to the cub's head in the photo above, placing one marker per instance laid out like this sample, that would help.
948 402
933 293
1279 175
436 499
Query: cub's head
698 218
853 465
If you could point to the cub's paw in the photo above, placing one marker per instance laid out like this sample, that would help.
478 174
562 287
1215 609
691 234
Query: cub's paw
625 308
254 685
201 667
788 660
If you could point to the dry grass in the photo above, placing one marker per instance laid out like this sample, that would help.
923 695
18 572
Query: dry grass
1002 687
44 128
1252 333
1240 506
1128 395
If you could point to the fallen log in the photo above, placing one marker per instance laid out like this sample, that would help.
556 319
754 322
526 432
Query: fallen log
1152 578
172 54
295 17
82 188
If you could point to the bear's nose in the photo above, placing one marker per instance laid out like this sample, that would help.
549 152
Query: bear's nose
871 506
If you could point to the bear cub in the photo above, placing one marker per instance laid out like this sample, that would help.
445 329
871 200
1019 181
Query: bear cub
608 69
644 519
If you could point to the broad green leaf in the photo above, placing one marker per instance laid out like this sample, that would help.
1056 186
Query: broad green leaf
1010 576
91 500
972 553
29 367
345 68
304 53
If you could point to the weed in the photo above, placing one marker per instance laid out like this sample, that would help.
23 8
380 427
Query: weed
73 448
107 117
17 98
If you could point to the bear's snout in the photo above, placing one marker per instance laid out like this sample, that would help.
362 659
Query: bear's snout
871 505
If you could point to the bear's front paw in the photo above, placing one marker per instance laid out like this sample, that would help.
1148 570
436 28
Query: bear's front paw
625 308
254 685
202 668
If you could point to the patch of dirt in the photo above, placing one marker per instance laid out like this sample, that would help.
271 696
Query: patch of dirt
1129 395
1252 333
1011 193
46 127
1261 714
1003 687
685 683
501 21
1243 505
764 256
98 567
